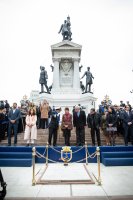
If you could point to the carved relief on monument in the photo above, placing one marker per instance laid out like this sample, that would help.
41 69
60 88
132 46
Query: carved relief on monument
66 73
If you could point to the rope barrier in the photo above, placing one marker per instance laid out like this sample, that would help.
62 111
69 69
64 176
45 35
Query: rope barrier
42 156
89 156
85 158
72 151
78 150
55 149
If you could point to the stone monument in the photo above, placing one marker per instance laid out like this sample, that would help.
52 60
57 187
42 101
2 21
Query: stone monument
67 89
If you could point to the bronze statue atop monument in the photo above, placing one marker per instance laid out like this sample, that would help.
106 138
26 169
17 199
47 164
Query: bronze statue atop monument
65 29
43 80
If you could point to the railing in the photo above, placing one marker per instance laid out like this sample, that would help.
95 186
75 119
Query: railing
47 160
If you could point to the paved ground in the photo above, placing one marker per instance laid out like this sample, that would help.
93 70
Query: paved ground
117 183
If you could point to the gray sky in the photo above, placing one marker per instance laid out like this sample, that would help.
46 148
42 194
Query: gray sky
104 28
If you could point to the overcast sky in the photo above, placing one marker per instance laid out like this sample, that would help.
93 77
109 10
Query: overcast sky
104 28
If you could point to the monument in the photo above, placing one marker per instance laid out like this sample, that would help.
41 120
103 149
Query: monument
67 89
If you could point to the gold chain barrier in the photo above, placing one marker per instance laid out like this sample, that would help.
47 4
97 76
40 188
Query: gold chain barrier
33 163
87 156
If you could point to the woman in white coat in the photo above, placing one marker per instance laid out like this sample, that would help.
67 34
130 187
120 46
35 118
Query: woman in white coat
31 128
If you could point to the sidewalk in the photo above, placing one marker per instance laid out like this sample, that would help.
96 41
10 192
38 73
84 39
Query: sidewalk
117 183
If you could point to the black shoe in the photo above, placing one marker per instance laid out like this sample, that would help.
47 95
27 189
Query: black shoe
27 145
15 145
9 145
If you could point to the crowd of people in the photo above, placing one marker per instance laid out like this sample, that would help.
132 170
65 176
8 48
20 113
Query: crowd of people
111 120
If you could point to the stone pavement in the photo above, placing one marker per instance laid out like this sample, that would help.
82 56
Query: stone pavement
117 183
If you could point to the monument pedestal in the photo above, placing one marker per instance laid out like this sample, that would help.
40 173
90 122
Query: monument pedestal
87 100
66 91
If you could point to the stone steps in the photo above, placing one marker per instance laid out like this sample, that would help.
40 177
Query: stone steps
42 138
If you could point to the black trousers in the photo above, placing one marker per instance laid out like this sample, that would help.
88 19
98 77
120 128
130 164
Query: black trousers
95 131
67 134
80 136
128 133
52 133
44 123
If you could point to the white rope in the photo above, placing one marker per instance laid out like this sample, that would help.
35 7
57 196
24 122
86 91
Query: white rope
72 151
77 150
55 149
42 156
91 156
85 158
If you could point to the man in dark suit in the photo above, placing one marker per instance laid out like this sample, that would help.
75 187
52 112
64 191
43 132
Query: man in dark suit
127 118
79 121
94 121
13 116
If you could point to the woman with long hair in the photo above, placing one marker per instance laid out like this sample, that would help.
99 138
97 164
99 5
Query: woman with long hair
111 122
31 130
44 109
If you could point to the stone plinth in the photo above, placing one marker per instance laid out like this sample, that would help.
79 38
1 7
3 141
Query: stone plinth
66 89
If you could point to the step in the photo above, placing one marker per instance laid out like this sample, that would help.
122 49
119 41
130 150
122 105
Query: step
4 162
117 161
117 148
15 149
124 154
15 155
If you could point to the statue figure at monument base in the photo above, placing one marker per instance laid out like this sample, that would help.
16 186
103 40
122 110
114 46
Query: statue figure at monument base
89 80
43 80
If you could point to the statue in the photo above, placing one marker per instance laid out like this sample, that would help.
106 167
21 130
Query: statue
43 79
82 86
50 87
89 80
52 68
80 67
66 29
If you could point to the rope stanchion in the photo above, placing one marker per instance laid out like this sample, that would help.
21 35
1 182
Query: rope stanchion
98 162
86 153
47 153
33 162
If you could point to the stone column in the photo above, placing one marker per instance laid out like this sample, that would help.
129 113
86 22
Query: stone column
76 78
56 73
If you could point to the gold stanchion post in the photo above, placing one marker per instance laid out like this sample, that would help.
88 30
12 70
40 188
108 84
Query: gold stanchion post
47 153
86 152
33 163
98 162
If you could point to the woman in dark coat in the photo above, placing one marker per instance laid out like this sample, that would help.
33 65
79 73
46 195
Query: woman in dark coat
66 126
111 122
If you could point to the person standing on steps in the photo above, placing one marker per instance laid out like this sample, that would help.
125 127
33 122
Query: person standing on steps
111 122
79 122
66 126
94 122
44 109
31 129
53 126
13 117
